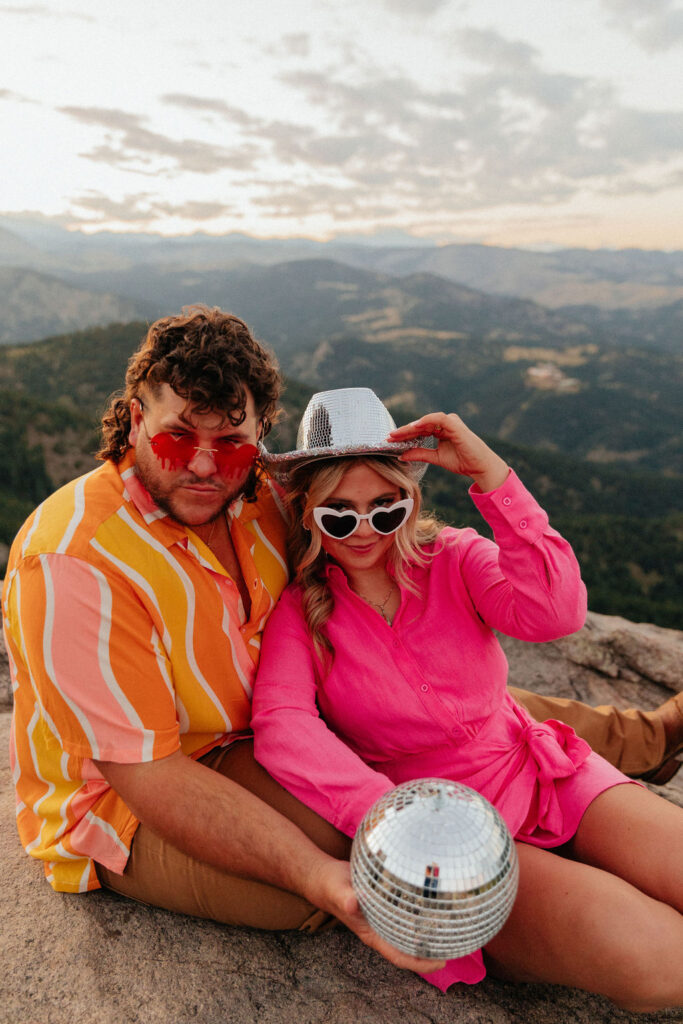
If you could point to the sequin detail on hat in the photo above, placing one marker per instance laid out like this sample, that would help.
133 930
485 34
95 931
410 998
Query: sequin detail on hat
343 422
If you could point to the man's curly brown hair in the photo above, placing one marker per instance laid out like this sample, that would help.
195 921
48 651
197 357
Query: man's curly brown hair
207 357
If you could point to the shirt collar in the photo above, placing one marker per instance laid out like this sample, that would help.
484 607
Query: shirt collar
333 571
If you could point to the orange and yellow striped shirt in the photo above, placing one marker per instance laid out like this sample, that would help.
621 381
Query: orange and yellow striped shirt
127 641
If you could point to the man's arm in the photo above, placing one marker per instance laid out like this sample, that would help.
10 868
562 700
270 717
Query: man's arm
215 820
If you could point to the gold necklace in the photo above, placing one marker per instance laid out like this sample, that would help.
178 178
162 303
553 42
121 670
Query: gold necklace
380 607
213 527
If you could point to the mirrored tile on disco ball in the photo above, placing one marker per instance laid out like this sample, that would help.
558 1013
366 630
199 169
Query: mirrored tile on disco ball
435 868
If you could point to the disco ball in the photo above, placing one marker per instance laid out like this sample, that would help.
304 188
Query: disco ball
434 868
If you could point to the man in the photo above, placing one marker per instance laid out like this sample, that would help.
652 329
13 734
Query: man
134 602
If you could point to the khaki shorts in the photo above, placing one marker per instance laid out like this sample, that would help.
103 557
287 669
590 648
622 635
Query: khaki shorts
160 875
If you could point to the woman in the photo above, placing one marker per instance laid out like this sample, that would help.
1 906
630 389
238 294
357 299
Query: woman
387 632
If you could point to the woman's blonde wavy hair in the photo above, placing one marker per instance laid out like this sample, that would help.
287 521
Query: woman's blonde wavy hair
310 486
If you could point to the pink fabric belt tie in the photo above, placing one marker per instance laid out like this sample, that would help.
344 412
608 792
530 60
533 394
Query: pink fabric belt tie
514 764
556 752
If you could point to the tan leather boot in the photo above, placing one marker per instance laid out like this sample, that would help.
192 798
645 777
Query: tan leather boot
670 714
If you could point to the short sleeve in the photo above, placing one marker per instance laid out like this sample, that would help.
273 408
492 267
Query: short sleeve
86 645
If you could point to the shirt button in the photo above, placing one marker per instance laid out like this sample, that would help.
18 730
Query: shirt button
523 524
507 501
424 688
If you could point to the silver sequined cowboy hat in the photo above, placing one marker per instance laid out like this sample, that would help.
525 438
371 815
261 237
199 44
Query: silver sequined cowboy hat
347 421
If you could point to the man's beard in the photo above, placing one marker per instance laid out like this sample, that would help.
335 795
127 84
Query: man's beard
148 469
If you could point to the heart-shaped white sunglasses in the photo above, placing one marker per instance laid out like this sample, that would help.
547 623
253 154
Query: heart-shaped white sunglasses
340 524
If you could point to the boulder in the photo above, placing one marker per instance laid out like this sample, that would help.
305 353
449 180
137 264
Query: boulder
100 959
609 661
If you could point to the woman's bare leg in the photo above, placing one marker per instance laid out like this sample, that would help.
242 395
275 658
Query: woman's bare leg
576 925
639 836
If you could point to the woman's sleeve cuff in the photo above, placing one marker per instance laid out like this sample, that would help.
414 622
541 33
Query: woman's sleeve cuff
511 510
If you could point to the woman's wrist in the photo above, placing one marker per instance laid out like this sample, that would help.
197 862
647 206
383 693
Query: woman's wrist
493 476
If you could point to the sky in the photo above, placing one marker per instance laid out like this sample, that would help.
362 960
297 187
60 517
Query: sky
508 122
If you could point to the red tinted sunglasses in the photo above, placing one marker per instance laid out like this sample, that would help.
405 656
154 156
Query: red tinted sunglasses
177 450
230 458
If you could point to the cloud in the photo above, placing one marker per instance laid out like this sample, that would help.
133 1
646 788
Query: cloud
144 208
636 186
129 144
512 133
42 11
25 9
629 135
281 199
261 136
7 94
490 47
296 44
655 24
415 7
369 145
209 105
290 45
355 102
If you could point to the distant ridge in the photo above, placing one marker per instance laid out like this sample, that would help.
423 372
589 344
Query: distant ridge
614 279
16 251
35 305
606 278
298 303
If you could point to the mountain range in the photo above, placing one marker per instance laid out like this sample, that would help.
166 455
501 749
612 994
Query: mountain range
605 277
149 275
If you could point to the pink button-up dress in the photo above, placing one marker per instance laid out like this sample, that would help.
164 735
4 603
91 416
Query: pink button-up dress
427 695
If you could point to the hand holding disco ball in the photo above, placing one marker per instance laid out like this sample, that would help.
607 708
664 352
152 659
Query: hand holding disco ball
434 868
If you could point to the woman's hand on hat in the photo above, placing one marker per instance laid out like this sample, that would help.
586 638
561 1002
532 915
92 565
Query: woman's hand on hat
459 449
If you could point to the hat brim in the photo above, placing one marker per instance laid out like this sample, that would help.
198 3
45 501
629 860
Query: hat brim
282 465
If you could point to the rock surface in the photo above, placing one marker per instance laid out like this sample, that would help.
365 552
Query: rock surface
609 661
99 959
